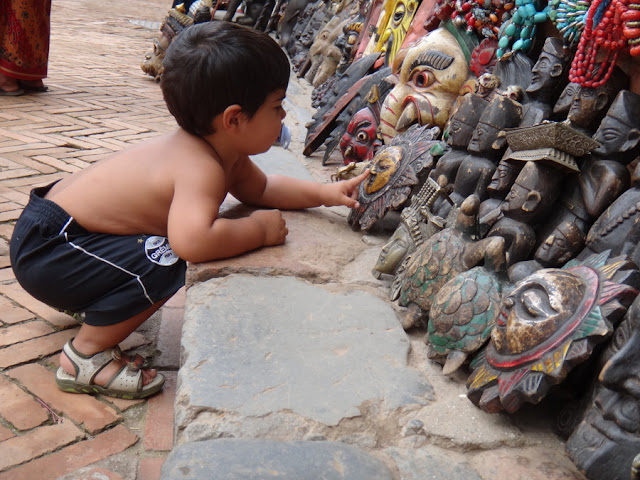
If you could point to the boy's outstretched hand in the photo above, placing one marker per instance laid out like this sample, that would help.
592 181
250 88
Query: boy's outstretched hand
344 192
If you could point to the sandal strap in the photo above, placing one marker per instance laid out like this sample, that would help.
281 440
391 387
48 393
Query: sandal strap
127 379
88 366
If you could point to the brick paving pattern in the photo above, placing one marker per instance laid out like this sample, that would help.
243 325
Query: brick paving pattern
99 102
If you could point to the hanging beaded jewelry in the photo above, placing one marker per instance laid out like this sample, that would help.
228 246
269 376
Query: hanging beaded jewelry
518 33
631 28
600 43
568 16
483 17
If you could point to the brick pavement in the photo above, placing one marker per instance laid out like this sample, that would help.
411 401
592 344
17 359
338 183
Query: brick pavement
99 102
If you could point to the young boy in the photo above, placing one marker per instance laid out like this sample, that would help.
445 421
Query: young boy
112 241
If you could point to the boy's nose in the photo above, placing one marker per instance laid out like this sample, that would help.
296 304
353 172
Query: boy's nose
284 113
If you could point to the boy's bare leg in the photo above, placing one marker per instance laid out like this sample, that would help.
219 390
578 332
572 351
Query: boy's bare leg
91 340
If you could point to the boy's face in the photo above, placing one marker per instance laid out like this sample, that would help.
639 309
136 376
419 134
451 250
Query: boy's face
264 127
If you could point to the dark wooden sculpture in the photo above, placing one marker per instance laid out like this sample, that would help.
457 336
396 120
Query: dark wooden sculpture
565 241
603 175
618 228
293 14
585 107
485 148
549 150
619 132
457 133
549 75
529 201
315 17
606 444
550 322
506 172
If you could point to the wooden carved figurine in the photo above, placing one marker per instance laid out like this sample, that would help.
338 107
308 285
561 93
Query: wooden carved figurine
586 106
606 444
443 256
529 201
619 131
507 169
324 55
548 75
176 21
465 309
618 228
549 323
457 133
603 175
294 13
550 150
412 231
432 75
562 244
485 148
395 170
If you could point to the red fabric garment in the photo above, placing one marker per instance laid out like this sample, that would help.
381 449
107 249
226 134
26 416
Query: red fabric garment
24 38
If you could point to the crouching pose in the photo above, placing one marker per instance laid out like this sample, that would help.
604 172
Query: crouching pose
112 241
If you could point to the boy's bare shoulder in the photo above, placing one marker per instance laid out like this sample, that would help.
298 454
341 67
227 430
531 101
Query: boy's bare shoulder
185 155
187 146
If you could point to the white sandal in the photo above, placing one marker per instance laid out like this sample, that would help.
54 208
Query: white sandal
125 383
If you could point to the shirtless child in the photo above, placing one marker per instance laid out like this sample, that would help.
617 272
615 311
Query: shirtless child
112 241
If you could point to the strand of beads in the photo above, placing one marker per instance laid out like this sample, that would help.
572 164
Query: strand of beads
518 33
568 16
483 17
600 44
631 28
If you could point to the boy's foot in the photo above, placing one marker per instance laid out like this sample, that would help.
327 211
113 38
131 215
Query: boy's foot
110 373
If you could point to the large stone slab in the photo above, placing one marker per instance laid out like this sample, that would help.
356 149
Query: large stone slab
230 459
284 355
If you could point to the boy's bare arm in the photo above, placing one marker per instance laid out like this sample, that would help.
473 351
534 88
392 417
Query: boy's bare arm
288 193
197 234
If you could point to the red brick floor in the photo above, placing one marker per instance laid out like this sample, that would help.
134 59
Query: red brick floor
99 102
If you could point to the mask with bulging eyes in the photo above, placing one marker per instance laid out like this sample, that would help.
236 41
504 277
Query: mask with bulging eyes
360 141
431 77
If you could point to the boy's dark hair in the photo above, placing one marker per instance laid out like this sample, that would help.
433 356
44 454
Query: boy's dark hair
213 65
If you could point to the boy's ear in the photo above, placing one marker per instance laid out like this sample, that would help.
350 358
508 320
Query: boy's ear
232 117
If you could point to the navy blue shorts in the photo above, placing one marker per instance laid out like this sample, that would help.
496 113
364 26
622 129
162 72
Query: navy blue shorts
109 278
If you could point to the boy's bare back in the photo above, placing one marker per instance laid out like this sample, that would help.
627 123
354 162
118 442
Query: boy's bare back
131 193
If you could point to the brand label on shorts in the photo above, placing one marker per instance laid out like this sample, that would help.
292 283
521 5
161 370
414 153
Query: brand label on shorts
159 251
